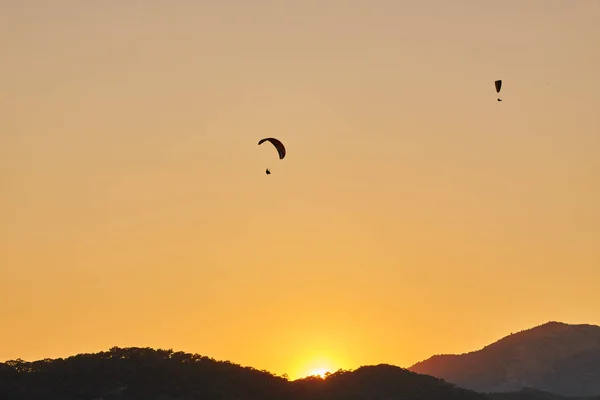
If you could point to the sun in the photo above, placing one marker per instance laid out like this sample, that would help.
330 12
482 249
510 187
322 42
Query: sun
320 372
318 366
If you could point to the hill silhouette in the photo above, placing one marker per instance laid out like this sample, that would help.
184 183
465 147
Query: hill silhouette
554 357
144 373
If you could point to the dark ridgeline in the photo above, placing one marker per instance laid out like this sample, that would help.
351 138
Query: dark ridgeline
548 362
554 357
143 373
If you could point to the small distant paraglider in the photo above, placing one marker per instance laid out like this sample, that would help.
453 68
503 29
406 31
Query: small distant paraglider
498 85
278 146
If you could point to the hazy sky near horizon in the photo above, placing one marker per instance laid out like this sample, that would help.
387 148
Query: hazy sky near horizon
413 215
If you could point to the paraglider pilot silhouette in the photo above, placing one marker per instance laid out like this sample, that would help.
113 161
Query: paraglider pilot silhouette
278 145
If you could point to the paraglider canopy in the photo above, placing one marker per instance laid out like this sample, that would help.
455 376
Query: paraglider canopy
498 84
278 145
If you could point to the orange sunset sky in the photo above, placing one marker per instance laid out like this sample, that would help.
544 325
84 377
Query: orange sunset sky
413 215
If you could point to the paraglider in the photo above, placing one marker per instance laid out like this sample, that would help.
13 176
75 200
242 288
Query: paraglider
498 85
278 146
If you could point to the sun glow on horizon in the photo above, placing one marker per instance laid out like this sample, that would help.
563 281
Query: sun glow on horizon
320 372
319 364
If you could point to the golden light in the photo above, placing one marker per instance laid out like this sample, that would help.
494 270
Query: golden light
320 372
322 359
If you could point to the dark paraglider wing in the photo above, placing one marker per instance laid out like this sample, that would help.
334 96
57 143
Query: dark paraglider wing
498 86
278 145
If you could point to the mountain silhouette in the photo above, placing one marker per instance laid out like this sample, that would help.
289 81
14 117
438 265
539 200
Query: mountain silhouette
554 357
144 373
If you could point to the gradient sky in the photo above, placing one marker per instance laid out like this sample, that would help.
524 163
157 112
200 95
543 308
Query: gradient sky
413 215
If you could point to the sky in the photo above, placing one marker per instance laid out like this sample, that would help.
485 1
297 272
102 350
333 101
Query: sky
413 214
